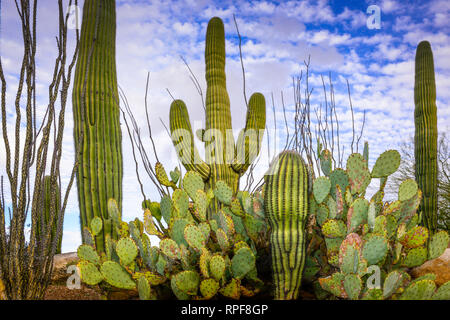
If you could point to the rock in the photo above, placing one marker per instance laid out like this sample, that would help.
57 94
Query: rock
439 266
60 264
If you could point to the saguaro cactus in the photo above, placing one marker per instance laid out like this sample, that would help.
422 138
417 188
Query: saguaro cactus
286 204
96 114
224 160
44 215
425 139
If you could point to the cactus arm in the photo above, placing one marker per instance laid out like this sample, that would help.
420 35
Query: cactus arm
286 203
425 140
249 140
183 139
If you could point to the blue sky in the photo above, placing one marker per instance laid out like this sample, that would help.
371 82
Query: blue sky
276 38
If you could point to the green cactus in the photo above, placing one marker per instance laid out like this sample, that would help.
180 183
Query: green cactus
89 273
197 257
194 237
96 226
325 162
286 203
407 190
224 160
358 173
443 292
358 233
188 282
144 288
352 286
126 250
366 152
243 262
439 242
209 288
386 164
116 275
217 267
420 290
87 253
375 249
349 253
357 214
425 139
321 188
392 282
161 176
96 114
334 228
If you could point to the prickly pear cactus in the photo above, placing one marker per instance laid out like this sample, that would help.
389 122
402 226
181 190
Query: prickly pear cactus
362 248
197 258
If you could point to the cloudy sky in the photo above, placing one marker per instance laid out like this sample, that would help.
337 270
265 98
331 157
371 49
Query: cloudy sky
277 37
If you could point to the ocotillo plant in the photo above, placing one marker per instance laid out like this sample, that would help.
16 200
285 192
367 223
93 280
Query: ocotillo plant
96 111
45 214
224 160
425 139
286 204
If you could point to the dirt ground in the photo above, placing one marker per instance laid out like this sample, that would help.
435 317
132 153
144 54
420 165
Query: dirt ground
61 292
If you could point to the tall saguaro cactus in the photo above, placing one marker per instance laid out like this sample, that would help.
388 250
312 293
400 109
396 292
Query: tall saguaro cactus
96 114
425 139
286 206
224 160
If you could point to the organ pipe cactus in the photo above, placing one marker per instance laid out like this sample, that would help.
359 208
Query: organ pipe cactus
44 217
286 203
224 161
96 115
425 139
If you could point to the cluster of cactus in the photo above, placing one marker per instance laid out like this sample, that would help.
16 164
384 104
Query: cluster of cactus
197 257
224 160
350 237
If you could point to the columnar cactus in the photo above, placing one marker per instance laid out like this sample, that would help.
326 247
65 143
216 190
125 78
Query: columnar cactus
224 160
425 139
44 217
96 114
286 203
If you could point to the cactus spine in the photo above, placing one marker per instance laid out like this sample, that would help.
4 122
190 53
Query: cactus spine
96 114
224 160
425 140
45 216
286 203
